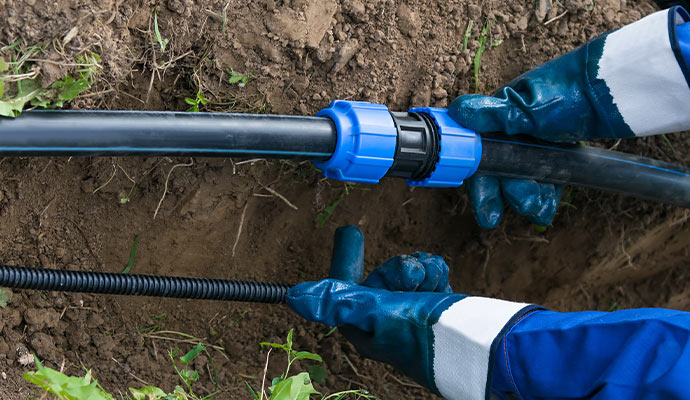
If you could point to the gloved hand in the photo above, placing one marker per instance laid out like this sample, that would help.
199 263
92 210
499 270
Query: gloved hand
388 316
626 83
401 315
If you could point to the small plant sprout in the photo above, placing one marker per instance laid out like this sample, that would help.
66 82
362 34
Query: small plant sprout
162 42
468 34
483 37
299 386
237 78
196 102
200 100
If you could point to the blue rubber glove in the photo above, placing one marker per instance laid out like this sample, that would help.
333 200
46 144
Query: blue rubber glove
387 317
630 82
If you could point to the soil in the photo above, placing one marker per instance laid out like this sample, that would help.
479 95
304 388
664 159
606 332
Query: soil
603 252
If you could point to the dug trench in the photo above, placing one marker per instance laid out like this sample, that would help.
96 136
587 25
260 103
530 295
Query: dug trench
274 220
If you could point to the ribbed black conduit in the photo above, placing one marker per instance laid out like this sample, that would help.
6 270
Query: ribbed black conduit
141 285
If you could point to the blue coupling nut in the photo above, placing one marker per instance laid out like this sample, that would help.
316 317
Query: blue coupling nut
366 141
459 155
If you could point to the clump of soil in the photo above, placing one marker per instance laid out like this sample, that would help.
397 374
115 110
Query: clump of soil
603 252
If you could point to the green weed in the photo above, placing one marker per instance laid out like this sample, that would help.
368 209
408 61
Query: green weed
323 216
237 78
199 100
668 142
65 387
19 85
132 253
478 55
195 103
468 34
300 386
225 18
162 42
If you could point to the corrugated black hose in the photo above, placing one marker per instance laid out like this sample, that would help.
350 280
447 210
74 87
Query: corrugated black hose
141 285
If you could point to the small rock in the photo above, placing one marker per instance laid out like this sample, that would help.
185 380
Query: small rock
474 11
522 23
408 21
345 55
356 9
543 8
440 93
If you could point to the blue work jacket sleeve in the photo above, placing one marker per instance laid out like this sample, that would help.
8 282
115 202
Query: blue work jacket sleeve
642 354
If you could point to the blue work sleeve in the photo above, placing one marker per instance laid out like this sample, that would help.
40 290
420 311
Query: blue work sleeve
640 354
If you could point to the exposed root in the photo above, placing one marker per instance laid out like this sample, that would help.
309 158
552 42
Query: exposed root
167 179
263 380
239 229
280 196
107 182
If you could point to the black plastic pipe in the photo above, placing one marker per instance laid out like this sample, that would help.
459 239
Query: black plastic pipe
573 164
141 285
149 133
159 133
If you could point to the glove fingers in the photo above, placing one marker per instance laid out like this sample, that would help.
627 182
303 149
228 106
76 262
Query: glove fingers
491 114
436 273
485 199
401 273
538 201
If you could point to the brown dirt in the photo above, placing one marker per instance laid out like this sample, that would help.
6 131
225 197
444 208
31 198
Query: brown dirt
603 252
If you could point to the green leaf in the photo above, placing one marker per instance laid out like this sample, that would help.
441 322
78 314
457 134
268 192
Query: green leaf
254 395
298 387
4 66
190 101
317 373
191 355
5 297
468 34
161 42
2 88
68 88
305 355
132 253
148 392
235 77
13 107
189 375
274 345
288 342
66 387
40 101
